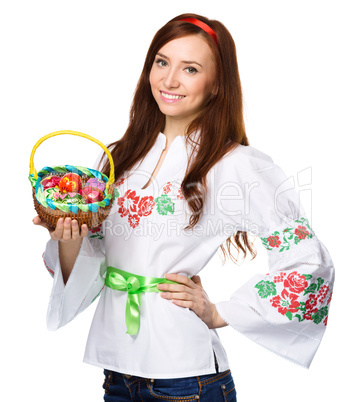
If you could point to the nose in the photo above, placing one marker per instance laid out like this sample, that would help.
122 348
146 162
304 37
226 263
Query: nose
171 79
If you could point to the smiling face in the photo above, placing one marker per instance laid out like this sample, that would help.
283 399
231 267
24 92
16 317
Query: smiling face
182 77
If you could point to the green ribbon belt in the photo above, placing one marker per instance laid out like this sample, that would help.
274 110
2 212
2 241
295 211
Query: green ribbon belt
134 285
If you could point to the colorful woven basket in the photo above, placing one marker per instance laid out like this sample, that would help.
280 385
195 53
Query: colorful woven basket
92 214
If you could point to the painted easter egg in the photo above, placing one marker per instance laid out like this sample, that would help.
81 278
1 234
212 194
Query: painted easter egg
96 183
50 181
92 194
70 182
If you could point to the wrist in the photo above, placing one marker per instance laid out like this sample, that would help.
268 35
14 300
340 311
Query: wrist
217 321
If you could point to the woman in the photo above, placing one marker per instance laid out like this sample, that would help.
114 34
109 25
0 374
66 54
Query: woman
187 181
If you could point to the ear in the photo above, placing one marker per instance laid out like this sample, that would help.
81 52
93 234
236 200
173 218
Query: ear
215 90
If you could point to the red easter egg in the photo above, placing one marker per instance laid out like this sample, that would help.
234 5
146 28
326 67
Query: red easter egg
50 181
92 194
70 182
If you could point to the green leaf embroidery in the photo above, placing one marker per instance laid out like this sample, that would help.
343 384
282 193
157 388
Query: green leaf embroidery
266 288
289 315
299 317
320 315
312 288
302 307
98 236
164 204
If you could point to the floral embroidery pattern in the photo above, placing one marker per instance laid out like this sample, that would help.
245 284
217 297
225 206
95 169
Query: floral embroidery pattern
289 236
174 190
164 205
135 207
298 296
97 233
119 182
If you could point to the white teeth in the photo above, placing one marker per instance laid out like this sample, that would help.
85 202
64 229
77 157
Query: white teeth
167 96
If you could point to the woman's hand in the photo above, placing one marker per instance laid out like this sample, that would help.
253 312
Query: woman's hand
190 293
66 230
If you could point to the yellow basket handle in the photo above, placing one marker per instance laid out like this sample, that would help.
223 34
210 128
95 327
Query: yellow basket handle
33 171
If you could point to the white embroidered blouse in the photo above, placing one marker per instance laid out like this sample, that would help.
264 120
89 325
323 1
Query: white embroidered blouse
285 311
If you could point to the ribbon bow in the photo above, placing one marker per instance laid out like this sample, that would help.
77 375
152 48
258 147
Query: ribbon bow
134 285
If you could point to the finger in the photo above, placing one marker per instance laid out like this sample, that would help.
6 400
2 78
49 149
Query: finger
180 295
58 233
67 229
84 230
75 231
168 287
37 221
184 303
181 279
197 280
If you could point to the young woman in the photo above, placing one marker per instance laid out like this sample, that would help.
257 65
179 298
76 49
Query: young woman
187 182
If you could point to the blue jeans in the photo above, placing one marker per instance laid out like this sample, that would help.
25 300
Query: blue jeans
205 388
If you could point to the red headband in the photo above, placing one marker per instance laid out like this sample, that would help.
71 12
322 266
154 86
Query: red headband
203 26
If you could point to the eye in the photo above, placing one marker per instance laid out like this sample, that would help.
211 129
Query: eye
161 63
191 70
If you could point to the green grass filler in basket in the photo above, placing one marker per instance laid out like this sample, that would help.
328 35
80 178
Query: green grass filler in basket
72 191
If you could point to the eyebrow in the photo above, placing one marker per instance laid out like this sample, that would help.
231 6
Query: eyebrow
183 61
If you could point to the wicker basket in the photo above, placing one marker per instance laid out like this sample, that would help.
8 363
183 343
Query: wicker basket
92 214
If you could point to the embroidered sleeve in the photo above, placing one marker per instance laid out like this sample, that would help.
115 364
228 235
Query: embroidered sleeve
286 309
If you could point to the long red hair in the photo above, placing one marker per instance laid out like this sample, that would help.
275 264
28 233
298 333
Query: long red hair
220 123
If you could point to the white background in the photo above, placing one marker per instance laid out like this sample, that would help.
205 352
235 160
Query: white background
74 65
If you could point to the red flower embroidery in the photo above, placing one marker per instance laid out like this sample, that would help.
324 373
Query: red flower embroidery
311 302
323 293
309 314
179 195
119 182
166 188
328 302
276 302
128 203
146 206
295 282
97 229
279 278
274 241
287 303
325 321
133 220
301 232
291 300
